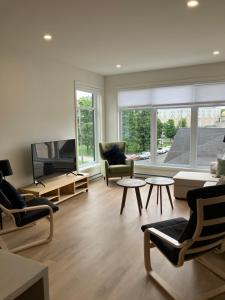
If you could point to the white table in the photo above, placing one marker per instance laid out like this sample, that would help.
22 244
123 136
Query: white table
22 277
128 184
159 182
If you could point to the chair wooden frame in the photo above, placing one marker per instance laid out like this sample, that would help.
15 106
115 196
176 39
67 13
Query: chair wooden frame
10 213
218 247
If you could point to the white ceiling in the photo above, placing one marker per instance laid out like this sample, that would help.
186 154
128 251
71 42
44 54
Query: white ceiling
98 34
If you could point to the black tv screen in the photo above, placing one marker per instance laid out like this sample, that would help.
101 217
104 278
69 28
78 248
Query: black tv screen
52 158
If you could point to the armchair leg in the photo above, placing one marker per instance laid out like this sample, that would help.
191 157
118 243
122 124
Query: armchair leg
3 244
147 248
167 288
107 181
5 231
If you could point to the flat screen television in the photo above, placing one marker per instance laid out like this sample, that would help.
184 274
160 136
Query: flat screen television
53 158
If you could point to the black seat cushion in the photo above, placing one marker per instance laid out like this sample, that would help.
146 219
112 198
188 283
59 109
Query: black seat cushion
115 156
182 230
31 216
12 195
173 228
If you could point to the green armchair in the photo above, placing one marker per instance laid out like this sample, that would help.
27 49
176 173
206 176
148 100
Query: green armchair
118 170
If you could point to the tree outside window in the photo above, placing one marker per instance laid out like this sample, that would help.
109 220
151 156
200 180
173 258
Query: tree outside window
85 127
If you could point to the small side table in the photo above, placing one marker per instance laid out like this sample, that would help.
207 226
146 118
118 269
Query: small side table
131 183
159 182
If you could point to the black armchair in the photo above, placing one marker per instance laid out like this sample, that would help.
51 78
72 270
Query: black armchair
180 240
24 213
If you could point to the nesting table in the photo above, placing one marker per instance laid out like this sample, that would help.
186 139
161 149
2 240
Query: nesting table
131 183
159 182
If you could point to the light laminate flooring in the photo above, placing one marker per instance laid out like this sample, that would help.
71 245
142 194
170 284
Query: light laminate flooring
97 254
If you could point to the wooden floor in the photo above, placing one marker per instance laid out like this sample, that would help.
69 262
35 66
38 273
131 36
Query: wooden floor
97 254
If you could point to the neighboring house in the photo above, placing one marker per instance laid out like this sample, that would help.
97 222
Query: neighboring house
209 145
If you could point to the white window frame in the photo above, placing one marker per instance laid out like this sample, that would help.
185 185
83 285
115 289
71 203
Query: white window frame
97 121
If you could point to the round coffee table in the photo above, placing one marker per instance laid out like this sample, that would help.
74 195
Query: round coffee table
159 182
131 183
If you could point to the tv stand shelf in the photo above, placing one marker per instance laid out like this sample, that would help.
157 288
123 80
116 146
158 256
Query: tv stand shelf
60 188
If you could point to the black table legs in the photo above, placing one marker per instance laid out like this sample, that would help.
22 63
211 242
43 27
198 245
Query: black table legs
160 188
139 203
123 200
169 195
138 195
159 195
149 195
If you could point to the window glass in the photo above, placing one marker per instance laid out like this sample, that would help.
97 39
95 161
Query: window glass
85 128
136 131
211 131
85 99
173 136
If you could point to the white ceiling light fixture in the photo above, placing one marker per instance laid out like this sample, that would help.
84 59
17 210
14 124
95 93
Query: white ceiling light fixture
118 66
47 37
192 3
216 52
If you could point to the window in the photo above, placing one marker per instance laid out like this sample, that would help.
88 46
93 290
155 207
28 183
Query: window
85 127
174 125
211 131
173 136
135 130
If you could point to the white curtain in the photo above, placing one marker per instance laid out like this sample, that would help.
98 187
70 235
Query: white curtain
173 95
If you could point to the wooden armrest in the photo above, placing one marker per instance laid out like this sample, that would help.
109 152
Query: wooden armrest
165 237
31 208
28 195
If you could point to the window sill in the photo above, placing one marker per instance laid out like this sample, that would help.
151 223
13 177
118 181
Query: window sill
151 169
92 169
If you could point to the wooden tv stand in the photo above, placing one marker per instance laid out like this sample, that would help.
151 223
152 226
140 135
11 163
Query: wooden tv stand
60 188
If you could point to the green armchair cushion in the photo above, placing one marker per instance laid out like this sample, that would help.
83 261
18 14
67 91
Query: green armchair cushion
119 169
115 156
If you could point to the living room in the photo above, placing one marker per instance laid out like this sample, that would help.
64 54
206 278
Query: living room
121 75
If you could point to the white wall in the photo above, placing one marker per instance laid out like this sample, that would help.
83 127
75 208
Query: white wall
37 104
192 74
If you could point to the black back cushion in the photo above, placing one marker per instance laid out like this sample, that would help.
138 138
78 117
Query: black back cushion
4 201
211 211
115 156
12 195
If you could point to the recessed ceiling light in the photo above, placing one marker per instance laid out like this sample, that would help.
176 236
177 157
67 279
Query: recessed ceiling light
216 52
47 37
192 3
118 66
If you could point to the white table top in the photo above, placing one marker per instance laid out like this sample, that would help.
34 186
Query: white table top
17 274
161 181
131 183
